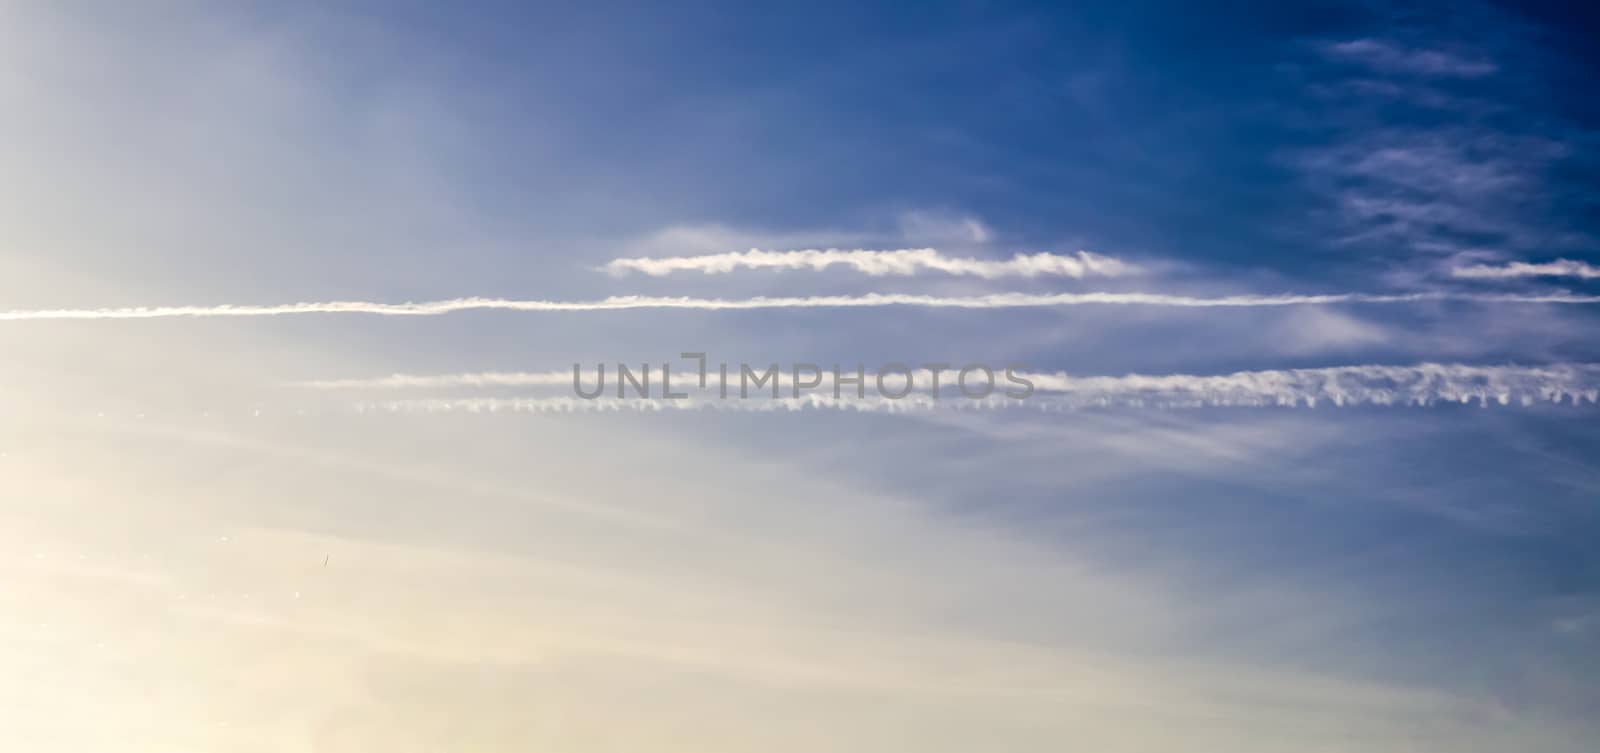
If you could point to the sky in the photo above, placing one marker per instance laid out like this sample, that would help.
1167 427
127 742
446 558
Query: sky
292 294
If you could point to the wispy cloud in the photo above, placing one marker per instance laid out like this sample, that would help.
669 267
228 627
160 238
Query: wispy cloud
1420 384
899 262
1389 57
1429 189
1445 151
1557 268
475 379
1320 329
942 225
870 300
911 229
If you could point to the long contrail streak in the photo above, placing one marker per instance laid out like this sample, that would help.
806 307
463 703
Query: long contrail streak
899 262
871 300
1418 384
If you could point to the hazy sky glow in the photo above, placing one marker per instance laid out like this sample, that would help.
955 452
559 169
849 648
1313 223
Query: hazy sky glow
291 293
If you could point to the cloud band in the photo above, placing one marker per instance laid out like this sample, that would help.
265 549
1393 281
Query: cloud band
871 300
901 262
1557 268
1420 384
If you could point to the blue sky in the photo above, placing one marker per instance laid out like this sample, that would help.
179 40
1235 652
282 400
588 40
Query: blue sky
1184 542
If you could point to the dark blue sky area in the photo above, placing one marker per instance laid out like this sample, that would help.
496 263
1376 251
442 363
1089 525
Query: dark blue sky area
1145 128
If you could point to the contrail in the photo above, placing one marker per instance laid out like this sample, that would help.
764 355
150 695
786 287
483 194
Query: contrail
1557 268
557 378
871 300
608 405
1420 384
899 262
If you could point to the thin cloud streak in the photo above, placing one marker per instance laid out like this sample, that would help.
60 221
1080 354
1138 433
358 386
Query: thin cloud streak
1388 57
871 300
478 379
901 262
1420 384
1557 268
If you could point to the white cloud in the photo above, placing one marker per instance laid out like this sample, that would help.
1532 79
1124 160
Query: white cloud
1557 268
1421 384
870 300
900 262
912 229
715 238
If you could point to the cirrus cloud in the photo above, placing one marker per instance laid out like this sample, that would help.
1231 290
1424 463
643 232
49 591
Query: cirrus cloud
899 262
1557 268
